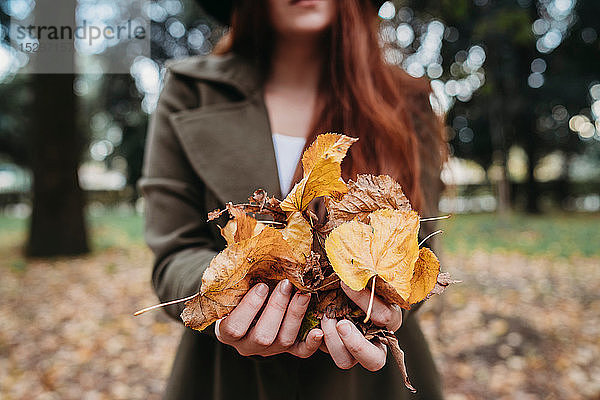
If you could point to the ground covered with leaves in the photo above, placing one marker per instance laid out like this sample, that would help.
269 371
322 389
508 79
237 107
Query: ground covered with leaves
520 326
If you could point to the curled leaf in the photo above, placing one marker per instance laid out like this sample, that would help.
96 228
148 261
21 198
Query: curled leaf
241 227
321 163
427 269
365 195
387 247
298 234
443 281
261 258
329 145
389 339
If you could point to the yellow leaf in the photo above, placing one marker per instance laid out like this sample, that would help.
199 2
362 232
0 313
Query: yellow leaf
299 235
424 276
324 180
327 145
322 172
386 247
265 257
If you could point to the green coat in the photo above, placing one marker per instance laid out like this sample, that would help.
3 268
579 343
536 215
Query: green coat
210 143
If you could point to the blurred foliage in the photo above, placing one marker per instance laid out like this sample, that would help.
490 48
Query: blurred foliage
562 235
541 58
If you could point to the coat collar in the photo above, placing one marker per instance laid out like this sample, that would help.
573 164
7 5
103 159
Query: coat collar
228 144
230 69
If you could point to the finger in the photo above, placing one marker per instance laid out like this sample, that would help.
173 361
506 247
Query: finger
382 314
307 348
323 348
233 327
340 355
292 320
366 353
267 327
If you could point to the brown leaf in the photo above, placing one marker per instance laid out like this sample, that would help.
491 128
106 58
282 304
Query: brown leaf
365 195
443 281
260 198
214 214
389 339
386 248
241 227
333 304
231 273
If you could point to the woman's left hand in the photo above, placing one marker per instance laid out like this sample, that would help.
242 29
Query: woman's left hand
347 345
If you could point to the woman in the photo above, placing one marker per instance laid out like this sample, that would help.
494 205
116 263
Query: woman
237 120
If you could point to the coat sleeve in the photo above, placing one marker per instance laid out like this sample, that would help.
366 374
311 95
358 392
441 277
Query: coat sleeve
175 216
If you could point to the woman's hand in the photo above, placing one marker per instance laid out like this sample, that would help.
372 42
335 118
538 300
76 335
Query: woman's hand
347 345
277 327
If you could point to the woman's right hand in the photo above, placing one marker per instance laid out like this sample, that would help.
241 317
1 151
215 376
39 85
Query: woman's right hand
277 327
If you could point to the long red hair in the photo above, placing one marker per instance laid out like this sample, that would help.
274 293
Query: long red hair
360 94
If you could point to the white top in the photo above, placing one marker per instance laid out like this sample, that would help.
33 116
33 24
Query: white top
288 150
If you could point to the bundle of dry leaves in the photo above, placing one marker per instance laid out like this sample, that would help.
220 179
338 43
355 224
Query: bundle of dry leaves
370 233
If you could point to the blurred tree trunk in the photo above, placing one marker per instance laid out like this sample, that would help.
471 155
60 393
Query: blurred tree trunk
532 191
57 221
497 130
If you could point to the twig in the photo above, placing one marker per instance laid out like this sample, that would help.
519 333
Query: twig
370 308
435 218
327 284
270 222
430 235
154 307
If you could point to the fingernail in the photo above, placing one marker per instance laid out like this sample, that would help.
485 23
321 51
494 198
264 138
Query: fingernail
344 327
318 336
285 287
262 289
303 299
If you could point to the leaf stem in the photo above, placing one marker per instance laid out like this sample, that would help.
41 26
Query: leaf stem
430 235
327 284
154 307
435 218
370 308
270 222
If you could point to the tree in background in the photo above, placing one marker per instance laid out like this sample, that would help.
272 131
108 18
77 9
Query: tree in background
539 60
47 141
179 29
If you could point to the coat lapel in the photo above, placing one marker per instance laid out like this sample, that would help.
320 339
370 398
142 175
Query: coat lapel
230 147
